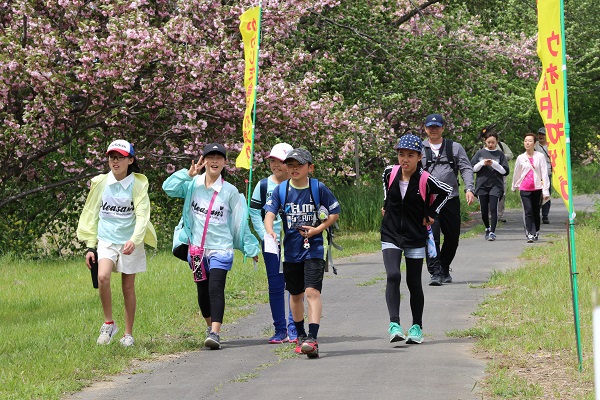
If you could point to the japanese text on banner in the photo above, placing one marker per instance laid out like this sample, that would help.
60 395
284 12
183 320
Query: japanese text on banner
549 94
249 22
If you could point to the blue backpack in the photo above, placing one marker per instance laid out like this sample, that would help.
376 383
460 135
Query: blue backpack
313 184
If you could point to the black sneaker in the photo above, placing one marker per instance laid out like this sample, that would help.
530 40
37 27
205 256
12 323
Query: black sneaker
213 341
310 347
545 220
447 279
436 280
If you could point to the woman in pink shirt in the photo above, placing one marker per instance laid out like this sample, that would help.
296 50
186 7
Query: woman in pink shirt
531 178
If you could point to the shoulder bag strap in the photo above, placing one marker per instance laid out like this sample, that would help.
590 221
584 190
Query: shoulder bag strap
210 205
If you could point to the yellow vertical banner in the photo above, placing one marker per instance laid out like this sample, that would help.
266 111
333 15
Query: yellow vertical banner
249 27
550 91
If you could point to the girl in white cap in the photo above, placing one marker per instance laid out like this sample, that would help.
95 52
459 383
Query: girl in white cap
116 220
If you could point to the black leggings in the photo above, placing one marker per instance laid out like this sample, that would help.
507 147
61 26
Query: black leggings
531 210
211 295
414 267
489 205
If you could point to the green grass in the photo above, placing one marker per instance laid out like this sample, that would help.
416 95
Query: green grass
527 329
51 316
585 178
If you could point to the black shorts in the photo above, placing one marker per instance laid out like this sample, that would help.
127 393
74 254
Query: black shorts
302 275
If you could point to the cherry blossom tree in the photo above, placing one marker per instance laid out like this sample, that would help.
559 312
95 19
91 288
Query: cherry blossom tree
342 78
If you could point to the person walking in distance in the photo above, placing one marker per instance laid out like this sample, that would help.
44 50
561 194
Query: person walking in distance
445 159
531 179
491 166
116 220
407 212
276 282
542 147
503 147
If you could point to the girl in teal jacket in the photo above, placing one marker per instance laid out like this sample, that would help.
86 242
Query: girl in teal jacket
227 229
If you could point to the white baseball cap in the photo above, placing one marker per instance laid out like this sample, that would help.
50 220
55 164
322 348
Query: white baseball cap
280 151
122 147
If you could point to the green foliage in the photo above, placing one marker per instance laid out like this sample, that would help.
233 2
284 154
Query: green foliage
585 178
361 207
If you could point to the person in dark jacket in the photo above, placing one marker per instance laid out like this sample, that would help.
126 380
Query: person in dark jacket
406 216
491 167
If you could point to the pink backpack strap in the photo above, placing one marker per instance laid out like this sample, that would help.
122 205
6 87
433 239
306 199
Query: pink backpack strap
393 174
423 187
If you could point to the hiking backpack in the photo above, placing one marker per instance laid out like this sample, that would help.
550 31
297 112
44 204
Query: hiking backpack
313 184
448 148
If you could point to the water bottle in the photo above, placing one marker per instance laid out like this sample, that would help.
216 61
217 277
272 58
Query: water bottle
431 251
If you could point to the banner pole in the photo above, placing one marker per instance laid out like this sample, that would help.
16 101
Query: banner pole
572 253
249 188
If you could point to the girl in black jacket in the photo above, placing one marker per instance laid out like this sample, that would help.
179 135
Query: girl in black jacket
404 229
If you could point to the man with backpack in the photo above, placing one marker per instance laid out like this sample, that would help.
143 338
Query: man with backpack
444 159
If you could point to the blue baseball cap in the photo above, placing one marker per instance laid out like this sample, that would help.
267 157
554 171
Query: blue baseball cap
434 120
410 142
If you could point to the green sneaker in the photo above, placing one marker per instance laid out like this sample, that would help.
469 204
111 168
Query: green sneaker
396 333
415 335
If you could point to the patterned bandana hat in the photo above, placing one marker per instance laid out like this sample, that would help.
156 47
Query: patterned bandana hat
410 142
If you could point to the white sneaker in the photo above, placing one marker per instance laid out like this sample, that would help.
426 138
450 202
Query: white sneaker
127 341
107 332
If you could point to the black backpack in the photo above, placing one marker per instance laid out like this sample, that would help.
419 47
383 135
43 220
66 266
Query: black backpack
447 148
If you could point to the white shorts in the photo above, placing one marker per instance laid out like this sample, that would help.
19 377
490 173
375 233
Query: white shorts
125 263
410 252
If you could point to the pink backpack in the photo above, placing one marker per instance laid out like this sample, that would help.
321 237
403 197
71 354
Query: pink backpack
422 182
431 249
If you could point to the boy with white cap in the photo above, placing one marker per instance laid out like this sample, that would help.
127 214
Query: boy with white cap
262 191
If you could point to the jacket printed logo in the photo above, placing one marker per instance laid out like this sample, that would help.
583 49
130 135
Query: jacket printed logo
116 207
213 213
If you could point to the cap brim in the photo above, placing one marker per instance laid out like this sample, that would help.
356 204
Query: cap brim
295 159
434 124
215 152
120 151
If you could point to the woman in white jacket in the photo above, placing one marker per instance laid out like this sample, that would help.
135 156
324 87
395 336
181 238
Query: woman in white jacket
531 178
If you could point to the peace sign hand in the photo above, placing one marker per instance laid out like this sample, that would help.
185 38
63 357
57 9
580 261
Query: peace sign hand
196 167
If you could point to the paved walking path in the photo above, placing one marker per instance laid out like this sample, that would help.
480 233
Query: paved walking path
357 361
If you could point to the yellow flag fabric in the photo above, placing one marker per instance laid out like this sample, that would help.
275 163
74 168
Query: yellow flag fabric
249 26
549 94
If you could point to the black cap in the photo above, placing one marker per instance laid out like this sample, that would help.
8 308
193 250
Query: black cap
215 148
300 155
